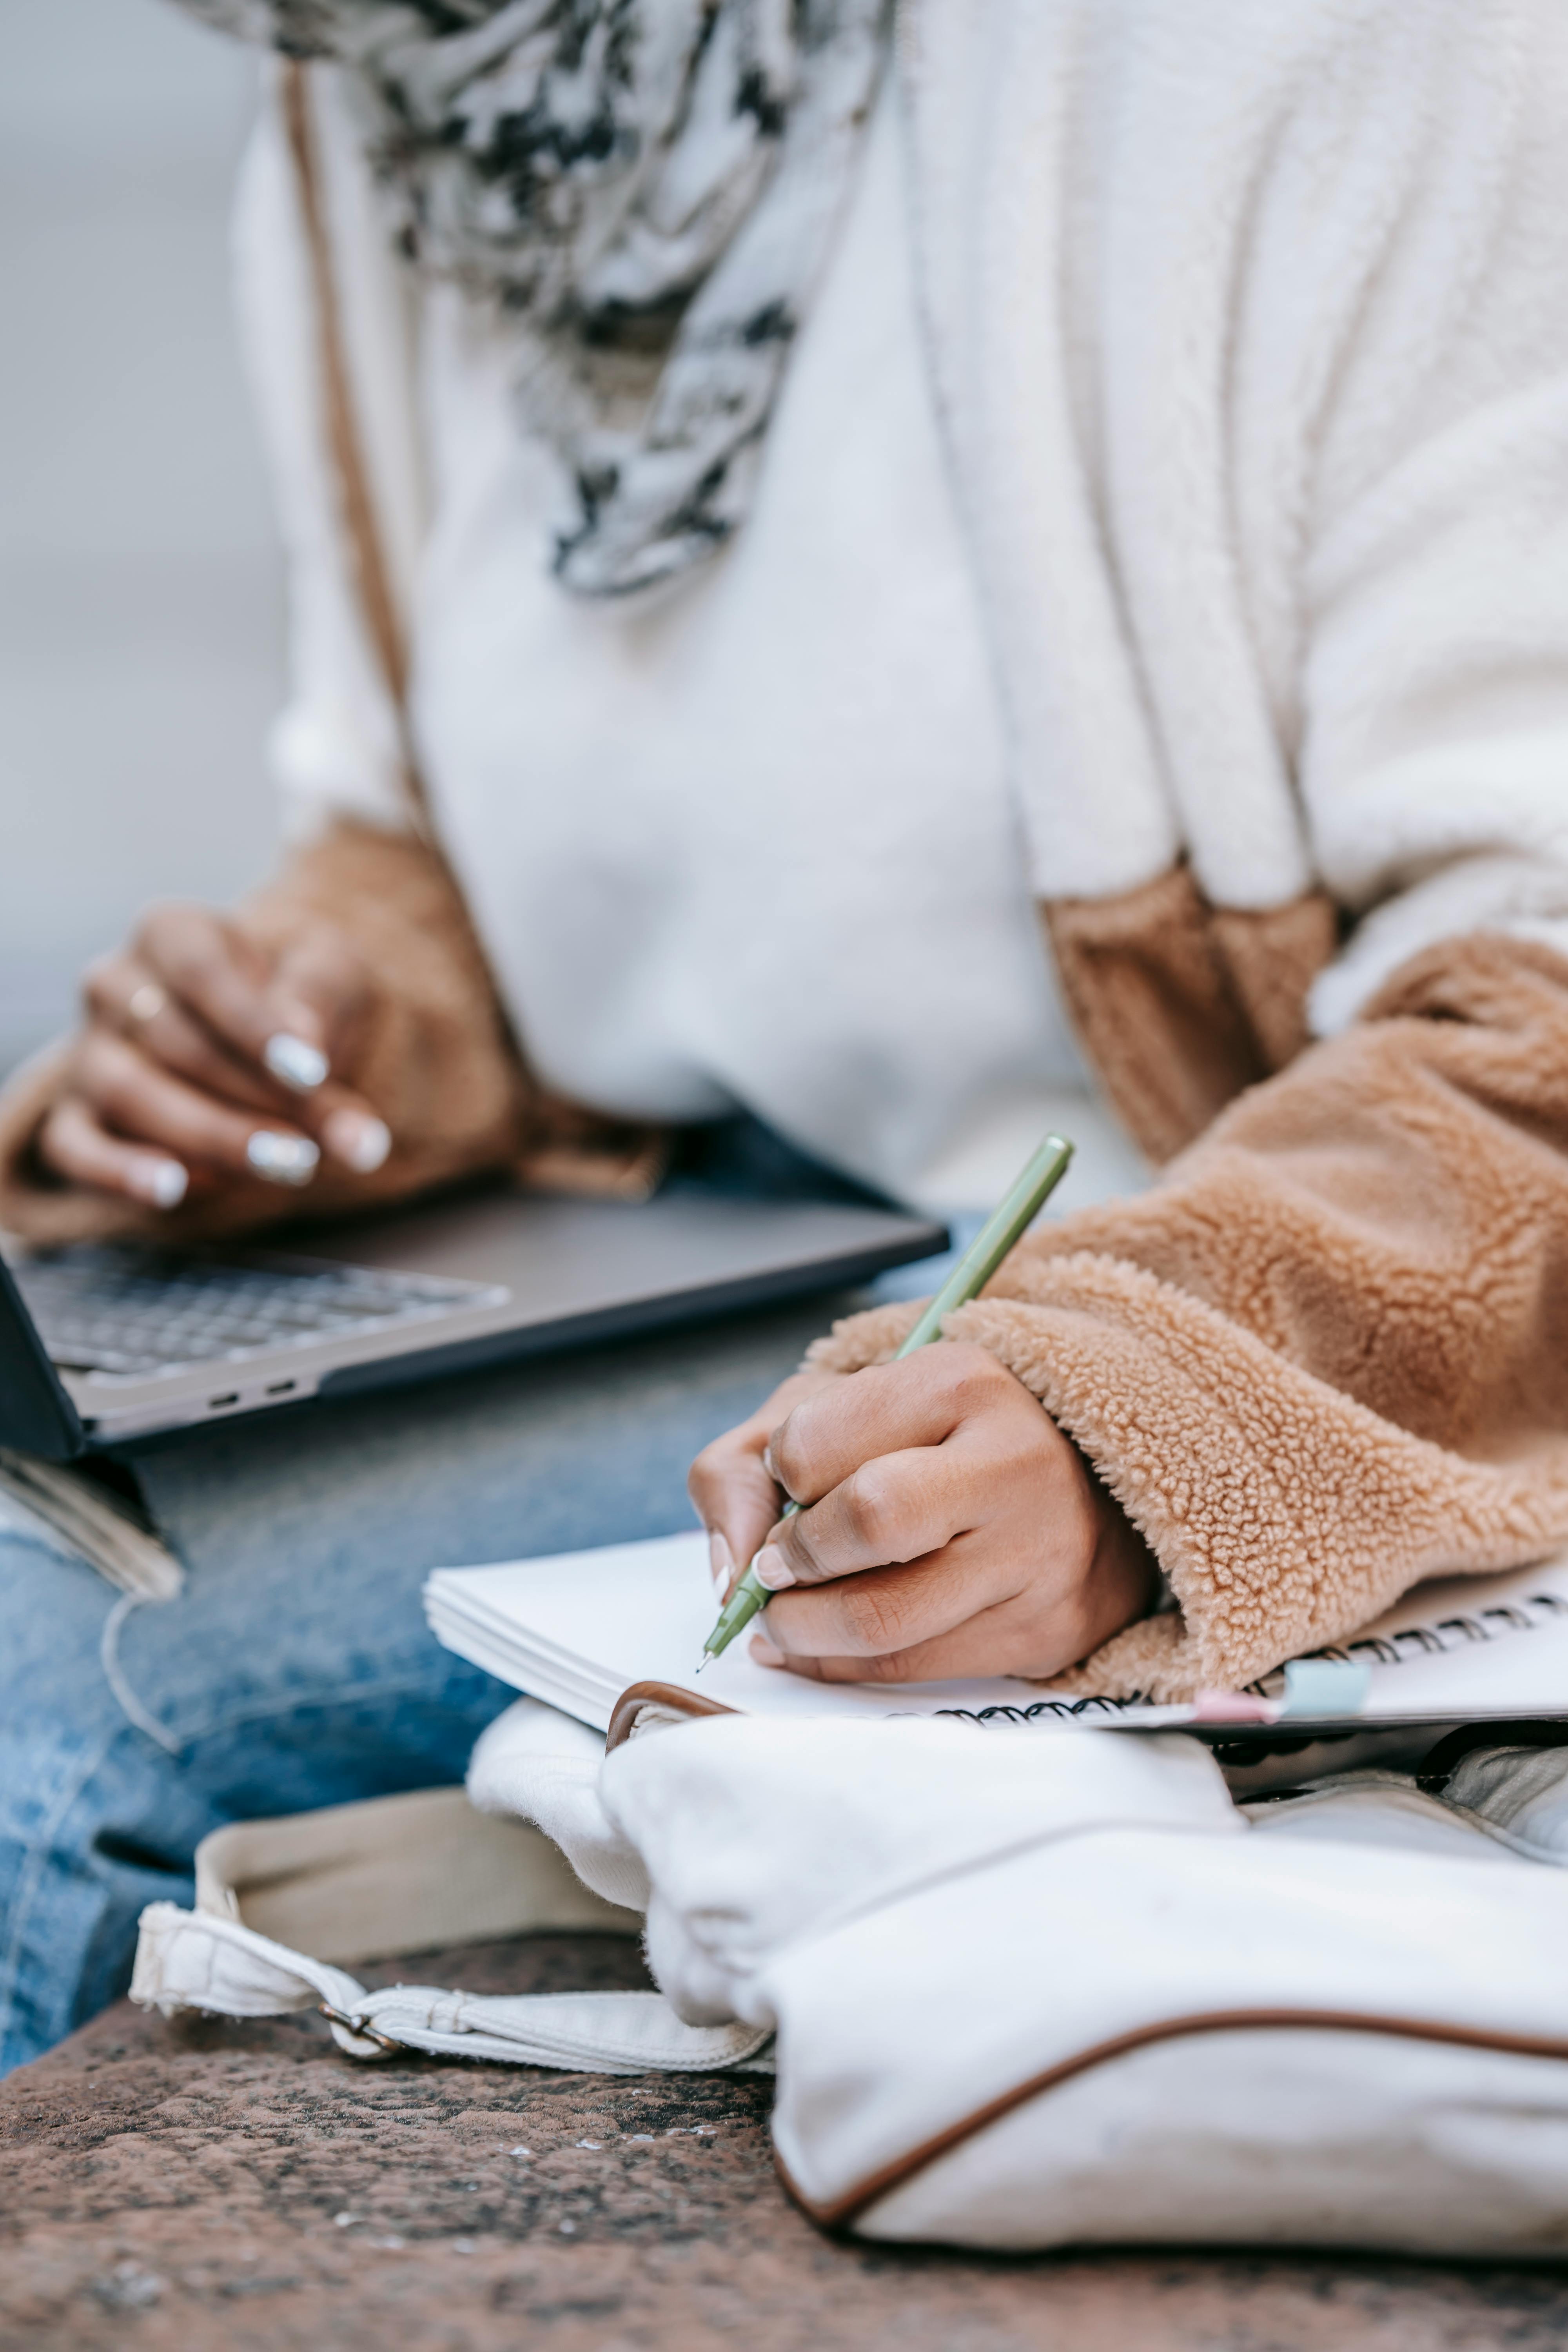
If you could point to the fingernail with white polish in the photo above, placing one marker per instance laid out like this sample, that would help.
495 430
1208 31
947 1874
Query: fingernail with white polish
720 1559
294 1061
763 1651
771 1568
359 1139
282 1159
164 1183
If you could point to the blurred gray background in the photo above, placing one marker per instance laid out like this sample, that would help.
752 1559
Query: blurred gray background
140 591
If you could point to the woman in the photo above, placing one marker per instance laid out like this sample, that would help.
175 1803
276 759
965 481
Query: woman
785 521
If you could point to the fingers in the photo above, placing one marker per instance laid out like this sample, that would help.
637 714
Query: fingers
743 1514
122 997
736 1497
897 1507
1026 1599
287 1022
136 1099
950 1527
206 1060
882 1410
904 1458
222 981
869 1628
147 1002
321 975
283 1020
76 1146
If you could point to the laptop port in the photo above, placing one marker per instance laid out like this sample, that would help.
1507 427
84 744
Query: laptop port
214 1402
280 1388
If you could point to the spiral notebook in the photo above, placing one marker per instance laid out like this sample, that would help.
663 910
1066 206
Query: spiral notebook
578 1628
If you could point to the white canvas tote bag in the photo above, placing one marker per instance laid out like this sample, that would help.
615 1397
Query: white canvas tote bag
1026 1989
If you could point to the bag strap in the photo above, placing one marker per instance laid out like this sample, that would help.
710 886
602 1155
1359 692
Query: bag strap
195 1960
394 1874
372 572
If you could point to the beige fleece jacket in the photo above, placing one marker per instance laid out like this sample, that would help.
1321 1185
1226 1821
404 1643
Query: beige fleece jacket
1328 1354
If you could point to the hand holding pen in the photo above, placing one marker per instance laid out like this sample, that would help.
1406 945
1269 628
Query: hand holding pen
938 1523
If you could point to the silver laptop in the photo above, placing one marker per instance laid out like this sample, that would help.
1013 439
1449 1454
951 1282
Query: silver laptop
102 1345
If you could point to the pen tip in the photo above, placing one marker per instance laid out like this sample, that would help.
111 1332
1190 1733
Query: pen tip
703 1661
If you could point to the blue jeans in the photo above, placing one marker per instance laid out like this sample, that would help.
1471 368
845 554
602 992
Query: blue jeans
296 1669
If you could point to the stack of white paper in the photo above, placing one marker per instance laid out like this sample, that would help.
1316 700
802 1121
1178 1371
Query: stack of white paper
579 1628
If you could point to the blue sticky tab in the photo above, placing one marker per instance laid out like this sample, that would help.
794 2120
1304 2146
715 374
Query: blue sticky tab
1329 1687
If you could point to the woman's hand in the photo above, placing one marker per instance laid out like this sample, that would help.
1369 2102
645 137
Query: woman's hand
205 1065
950 1527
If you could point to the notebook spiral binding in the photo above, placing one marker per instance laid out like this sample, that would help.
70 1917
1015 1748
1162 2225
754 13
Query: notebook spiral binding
1522 1616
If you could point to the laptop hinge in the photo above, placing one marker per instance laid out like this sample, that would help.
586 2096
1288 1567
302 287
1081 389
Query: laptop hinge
37 1416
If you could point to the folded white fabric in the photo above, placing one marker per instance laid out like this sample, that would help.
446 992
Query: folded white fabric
1520 1794
758 1841
1031 1989
1037 1989
543 1766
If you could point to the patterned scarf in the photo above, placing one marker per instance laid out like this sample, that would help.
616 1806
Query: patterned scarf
647 188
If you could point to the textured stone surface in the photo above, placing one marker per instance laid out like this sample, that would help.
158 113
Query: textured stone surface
175 2187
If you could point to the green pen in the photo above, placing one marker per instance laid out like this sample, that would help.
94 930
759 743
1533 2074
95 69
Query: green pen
1005 1226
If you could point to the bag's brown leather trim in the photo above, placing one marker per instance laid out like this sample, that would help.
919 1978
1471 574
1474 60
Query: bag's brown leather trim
842 2212
362 527
632 1701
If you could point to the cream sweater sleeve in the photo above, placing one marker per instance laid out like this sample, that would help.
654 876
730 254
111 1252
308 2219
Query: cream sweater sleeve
1433 596
1251 327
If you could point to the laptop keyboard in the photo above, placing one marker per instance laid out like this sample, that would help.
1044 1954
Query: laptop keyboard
133 1314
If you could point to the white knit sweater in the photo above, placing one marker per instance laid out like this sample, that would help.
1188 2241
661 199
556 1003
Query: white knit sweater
1246 328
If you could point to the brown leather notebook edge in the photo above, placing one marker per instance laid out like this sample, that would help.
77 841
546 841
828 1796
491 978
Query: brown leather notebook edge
638 1695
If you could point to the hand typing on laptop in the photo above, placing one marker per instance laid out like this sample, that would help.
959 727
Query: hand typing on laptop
207 1063
201 1062
950 1529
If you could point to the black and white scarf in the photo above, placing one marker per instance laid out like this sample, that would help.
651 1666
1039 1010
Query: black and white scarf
648 187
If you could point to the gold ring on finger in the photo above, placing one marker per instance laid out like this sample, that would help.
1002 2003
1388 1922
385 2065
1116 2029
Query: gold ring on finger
146 1002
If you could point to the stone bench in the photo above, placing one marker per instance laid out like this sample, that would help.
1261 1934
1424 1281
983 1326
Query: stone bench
169 2187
